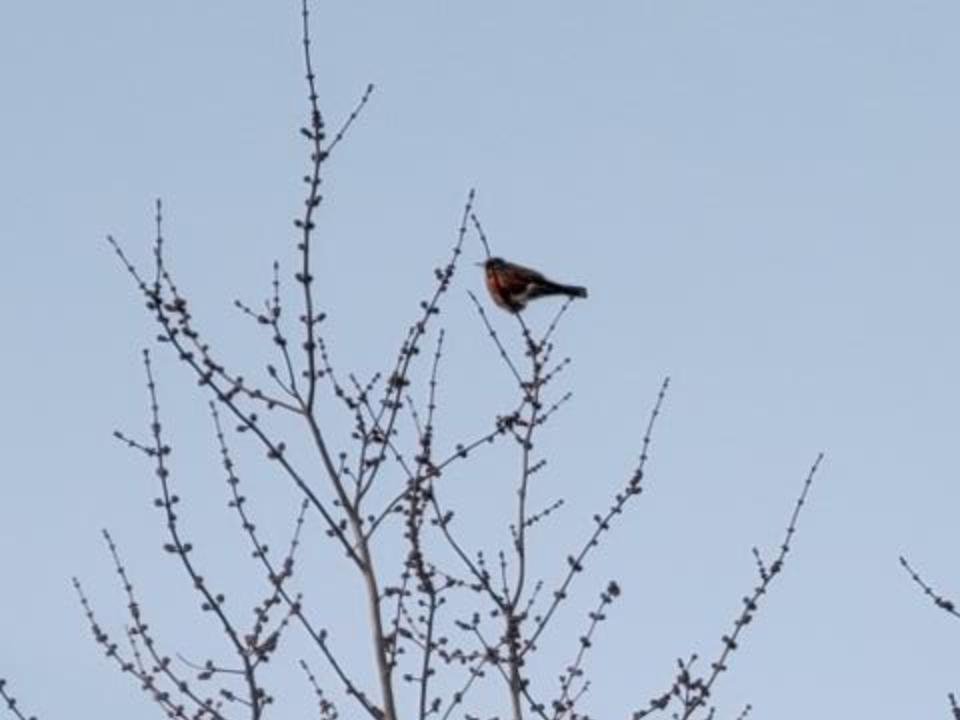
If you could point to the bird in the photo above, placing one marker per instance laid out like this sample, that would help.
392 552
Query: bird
511 286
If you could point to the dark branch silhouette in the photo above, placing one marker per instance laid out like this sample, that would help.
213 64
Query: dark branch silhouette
940 601
11 703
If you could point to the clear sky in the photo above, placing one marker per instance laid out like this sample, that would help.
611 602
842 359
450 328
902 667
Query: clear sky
761 198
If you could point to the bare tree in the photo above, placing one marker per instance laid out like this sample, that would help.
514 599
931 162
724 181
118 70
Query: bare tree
448 618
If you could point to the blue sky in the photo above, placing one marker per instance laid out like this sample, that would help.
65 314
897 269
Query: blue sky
760 198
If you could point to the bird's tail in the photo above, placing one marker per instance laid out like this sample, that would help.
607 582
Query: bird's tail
552 288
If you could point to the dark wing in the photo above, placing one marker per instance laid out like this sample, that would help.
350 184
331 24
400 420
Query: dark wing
515 279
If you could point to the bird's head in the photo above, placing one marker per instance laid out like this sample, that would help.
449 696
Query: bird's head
493 263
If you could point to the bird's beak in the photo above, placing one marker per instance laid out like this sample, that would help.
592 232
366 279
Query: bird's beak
480 264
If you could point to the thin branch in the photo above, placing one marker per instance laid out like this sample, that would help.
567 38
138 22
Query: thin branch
172 315
944 603
162 666
496 339
692 691
11 702
633 487
399 378
566 703
328 711
350 119
278 576
480 233
316 135
751 603
211 602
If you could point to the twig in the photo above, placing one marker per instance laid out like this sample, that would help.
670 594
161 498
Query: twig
693 692
633 487
944 603
11 702
480 233
568 698
278 577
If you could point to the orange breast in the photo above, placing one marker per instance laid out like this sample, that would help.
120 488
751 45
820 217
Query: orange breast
496 289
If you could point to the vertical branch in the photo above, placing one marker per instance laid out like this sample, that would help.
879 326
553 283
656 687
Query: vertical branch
352 506
425 574
526 420
513 618
533 388
316 135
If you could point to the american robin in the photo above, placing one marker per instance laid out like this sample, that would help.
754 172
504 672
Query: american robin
512 286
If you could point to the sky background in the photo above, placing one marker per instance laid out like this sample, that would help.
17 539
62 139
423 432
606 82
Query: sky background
761 198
